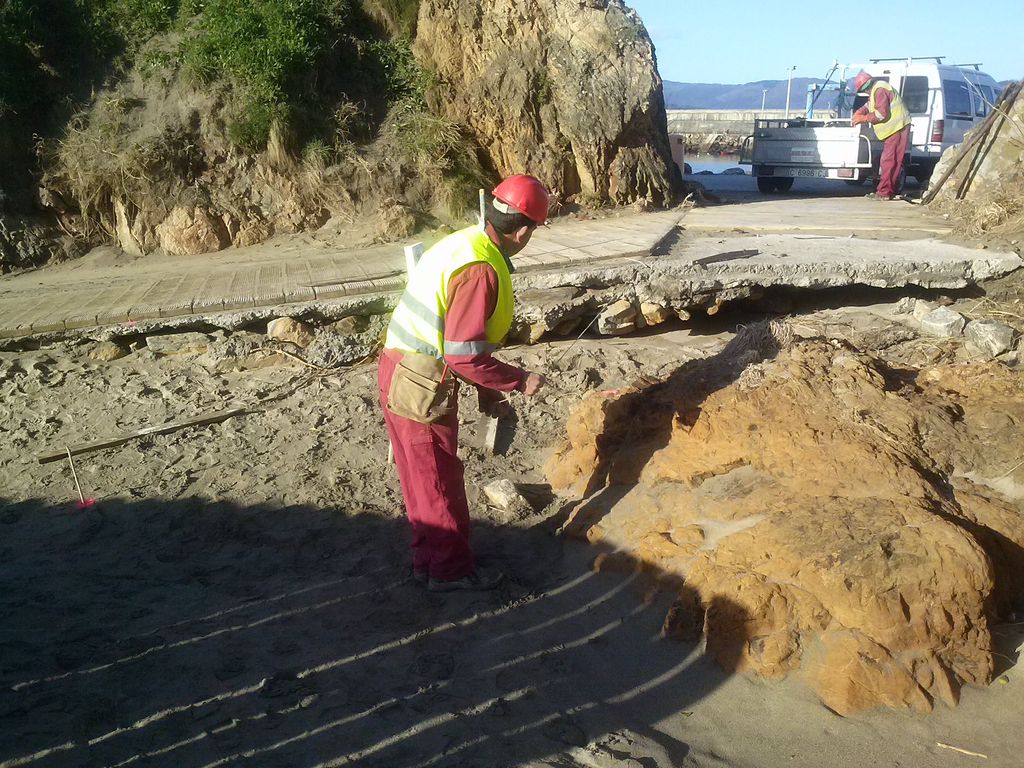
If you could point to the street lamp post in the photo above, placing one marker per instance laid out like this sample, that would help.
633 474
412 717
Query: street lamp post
789 86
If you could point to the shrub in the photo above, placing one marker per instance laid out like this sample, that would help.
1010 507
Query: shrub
398 16
136 21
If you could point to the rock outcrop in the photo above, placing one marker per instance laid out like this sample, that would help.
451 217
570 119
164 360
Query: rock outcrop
568 91
28 241
986 187
745 476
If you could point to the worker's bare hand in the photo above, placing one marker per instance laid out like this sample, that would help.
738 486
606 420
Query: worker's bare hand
532 384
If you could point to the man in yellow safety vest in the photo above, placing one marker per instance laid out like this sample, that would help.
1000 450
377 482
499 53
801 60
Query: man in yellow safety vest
456 310
891 121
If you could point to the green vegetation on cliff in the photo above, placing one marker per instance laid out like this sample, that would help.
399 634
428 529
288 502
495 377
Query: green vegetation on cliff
291 62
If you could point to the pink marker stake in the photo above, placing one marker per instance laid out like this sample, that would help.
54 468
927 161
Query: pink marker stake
83 503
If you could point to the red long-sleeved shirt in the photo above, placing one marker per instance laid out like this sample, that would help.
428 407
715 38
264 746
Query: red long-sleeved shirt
472 298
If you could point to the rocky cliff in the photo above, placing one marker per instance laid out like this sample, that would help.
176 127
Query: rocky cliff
205 137
565 89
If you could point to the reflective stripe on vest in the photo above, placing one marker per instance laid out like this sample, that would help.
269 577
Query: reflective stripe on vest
898 116
417 324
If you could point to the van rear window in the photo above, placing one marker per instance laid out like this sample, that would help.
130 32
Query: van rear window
958 99
914 93
984 98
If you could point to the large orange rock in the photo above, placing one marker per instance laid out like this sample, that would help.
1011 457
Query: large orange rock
823 512
192 231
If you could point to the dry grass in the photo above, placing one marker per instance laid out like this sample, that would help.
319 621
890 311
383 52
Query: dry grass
1002 212
97 162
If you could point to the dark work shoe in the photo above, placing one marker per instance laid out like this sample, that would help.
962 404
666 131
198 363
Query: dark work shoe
477 581
420 577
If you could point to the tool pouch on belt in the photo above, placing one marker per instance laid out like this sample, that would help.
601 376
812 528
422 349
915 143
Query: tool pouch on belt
420 389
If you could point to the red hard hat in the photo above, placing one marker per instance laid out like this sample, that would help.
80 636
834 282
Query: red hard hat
859 81
525 194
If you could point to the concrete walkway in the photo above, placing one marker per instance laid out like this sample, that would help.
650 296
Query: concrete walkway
807 240
84 296
832 215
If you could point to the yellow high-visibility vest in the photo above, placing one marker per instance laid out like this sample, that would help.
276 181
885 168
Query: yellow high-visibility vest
417 324
899 118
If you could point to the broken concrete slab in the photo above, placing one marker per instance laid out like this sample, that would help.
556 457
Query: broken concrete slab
555 297
943 323
990 337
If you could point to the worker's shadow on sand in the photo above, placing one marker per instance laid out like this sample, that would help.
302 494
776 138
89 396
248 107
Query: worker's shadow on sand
200 633
639 423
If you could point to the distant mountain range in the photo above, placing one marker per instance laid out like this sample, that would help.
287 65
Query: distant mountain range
744 96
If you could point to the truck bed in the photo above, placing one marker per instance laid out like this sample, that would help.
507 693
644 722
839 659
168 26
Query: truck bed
811 148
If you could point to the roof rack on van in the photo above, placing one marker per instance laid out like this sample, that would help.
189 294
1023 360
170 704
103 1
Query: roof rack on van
938 59
977 66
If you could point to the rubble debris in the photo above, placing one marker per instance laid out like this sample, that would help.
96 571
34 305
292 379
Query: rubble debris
331 348
654 314
241 351
350 325
106 351
618 319
504 495
922 308
294 331
906 306
944 323
989 337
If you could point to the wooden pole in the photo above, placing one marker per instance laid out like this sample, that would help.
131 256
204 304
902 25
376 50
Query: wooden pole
973 141
162 429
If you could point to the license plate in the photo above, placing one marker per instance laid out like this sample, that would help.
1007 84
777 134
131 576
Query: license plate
819 173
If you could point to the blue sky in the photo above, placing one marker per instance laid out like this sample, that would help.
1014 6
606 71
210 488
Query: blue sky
746 40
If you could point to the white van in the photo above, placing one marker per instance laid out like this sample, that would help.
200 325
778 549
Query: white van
944 101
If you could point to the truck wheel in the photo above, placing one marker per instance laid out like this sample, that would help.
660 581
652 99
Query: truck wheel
784 184
766 184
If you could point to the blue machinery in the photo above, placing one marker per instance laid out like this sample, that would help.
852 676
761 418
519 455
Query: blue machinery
844 98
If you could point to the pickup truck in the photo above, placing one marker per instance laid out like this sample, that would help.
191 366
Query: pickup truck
780 151
943 100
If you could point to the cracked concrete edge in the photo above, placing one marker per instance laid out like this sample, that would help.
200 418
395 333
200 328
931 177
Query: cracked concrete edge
674 282
328 307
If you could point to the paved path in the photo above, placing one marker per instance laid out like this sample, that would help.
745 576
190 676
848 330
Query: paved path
79 296
823 215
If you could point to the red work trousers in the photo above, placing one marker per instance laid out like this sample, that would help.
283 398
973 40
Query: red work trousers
893 150
433 487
